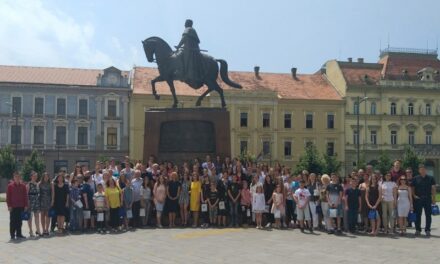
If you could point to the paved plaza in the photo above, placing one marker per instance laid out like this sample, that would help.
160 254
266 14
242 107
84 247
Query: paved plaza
218 246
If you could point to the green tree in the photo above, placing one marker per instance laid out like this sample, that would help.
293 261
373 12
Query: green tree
311 161
385 162
33 163
7 162
411 160
102 158
331 164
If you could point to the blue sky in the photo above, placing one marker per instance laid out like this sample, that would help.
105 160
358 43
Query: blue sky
276 35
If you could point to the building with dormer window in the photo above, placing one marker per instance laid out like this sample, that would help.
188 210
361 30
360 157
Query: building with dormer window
70 115
402 106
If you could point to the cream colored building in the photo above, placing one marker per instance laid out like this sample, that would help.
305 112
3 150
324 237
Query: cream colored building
402 106
276 115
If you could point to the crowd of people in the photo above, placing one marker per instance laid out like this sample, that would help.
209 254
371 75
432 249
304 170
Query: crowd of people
219 193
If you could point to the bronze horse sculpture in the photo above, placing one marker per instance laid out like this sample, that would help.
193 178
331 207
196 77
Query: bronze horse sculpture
170 65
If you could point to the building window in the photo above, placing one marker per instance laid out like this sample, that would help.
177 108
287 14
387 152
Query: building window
61 107
309 144
393 137
38 135
355 137
266 148
15 134
112 137
61 135
428 109
330 121
428 138
82 111
82 136
39 106
111 108
16 105
309 121
266 120
393 109
373 108
287 149
410 109
373 137
355 108
411 138
243 146
243 119
330 148
287 120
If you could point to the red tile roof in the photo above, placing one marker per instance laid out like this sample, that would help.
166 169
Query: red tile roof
49 75
356 75
308 86
389 67
394 64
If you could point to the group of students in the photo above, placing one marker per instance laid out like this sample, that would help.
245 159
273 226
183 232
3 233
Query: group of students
219 194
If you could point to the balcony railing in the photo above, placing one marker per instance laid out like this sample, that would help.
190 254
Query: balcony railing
409 50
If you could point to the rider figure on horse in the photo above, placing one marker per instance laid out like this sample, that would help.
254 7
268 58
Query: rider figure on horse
189 52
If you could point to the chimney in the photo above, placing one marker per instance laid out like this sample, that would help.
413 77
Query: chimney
293 71
350 59
257 71
360 60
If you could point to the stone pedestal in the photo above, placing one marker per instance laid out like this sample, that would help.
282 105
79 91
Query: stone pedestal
182 134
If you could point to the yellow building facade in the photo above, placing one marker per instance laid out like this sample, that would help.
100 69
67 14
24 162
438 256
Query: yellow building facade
274 115
399 105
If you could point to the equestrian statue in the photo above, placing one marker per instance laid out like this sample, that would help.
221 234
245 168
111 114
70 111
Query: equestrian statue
186 64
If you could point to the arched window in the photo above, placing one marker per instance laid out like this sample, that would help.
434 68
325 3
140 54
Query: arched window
428 109
373 108
410 109
355 108
393 109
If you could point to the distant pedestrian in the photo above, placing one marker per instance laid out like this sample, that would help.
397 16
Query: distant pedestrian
17 201
424 196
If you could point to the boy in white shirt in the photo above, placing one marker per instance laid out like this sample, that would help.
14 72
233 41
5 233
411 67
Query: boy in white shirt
302 205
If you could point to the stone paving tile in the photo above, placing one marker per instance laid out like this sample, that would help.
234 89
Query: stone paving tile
218 246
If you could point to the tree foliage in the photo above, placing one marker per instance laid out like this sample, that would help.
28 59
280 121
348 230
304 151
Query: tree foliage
411 160
385 163
311 161
7 163
331 164
33 163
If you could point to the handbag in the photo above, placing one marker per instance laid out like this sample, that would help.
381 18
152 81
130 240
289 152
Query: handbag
221 205
411 217
86 214
359 218
100 217
435 210
277 213
121 212
319 209
25 216
142 212
204 207
332 212
129 214
52 213
79 204
372 214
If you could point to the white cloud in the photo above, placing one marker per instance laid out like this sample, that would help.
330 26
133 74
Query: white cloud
32 34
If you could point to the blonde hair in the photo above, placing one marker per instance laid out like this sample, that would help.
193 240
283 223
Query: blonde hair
325 177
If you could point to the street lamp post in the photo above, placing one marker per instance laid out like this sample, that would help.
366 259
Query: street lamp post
359 101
